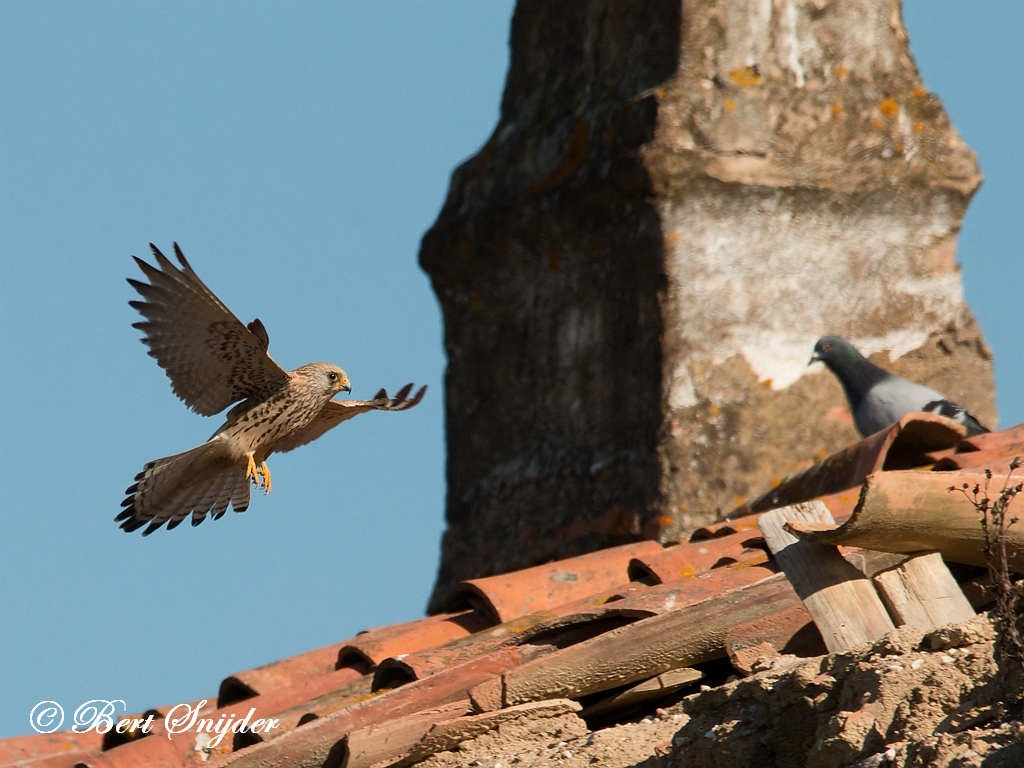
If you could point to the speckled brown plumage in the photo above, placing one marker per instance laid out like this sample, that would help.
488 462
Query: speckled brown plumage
213 360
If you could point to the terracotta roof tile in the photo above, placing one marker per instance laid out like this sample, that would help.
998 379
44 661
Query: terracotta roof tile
597 625
696 557
324 737
725 528
378 644
789 631
992 450
543 587
69 758
906 444
306 711
293 670
42 745
689 634
909 511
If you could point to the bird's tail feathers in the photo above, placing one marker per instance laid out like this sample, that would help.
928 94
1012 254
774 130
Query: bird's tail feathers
200 481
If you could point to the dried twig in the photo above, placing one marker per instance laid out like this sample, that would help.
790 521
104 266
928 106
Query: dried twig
995 522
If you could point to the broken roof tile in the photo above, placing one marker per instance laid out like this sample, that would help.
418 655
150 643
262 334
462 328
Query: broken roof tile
904 445
687 635
913 511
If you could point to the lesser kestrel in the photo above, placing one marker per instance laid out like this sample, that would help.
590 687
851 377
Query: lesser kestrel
213 360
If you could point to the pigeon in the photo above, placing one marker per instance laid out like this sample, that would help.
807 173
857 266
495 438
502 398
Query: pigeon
878 398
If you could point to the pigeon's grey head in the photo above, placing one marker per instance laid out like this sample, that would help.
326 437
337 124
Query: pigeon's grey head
836 352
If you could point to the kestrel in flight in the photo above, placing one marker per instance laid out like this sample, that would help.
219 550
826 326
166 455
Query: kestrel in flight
213 360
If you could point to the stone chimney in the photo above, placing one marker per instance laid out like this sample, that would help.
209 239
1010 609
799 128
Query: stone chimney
680 197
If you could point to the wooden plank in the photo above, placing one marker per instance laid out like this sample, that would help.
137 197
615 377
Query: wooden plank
654 688
842 601
922 592
680 638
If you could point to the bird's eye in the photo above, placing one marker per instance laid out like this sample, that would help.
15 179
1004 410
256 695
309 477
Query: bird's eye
827 347
332 376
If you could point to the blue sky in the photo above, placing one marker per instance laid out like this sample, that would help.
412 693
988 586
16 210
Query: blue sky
297 152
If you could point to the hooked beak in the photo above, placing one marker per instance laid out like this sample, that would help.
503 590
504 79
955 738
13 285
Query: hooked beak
346 386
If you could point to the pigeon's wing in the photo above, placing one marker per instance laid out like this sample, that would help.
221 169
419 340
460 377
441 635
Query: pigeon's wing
211 358
336 411
890 400
957 413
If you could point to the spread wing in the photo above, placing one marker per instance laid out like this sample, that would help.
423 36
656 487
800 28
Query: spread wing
211 359
337 411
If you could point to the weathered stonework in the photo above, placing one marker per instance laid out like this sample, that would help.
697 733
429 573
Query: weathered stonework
678 200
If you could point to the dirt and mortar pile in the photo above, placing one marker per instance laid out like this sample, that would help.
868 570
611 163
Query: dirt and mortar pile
912 699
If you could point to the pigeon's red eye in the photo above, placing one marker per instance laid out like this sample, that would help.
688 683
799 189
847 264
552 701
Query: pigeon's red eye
827 347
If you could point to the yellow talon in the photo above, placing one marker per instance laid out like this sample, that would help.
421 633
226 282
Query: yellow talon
265 472
251 472
260 475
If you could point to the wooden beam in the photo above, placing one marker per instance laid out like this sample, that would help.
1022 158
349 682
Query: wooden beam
922 592
654 688
842 601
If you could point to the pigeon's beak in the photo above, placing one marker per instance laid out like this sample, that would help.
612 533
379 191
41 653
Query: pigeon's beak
814 359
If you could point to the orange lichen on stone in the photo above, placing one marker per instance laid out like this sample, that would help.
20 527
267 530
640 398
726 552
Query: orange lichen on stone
841 70
729 105
746 77
918 127
889 107
919 91
837 109
714 409
878 125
